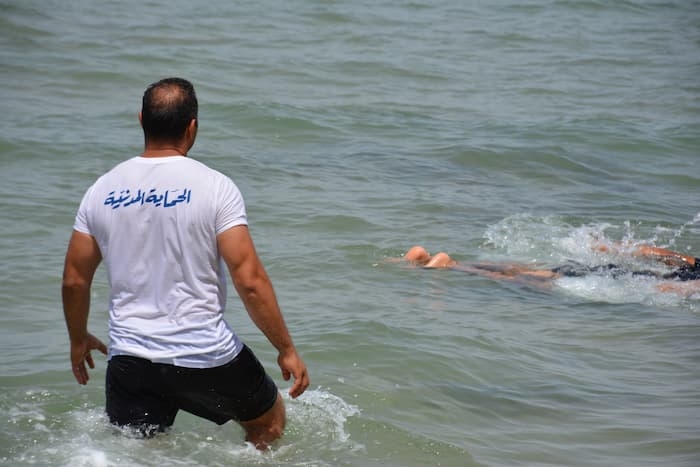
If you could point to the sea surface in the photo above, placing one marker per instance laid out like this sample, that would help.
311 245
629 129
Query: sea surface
501 131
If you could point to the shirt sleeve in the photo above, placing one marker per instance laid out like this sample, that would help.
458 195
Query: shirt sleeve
231 211
81 218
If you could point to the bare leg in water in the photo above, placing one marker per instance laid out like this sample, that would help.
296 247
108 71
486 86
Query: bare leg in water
420 256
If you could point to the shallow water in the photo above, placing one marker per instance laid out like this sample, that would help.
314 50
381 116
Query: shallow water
496 131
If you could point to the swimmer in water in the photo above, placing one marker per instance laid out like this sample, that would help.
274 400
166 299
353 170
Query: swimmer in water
684 279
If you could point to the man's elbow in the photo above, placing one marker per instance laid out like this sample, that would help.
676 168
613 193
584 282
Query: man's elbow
248 290
74 284
252 286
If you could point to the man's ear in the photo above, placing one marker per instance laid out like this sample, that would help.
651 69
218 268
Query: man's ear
141 118
192 128
191 133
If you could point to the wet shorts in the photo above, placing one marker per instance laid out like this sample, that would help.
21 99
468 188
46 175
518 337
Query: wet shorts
146 396
686 272
573 269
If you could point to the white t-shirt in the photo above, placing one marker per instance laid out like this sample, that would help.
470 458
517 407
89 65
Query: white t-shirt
156 221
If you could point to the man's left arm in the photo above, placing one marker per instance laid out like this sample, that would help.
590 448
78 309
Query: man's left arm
82 258
257 294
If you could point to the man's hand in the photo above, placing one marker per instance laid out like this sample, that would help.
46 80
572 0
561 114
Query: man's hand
80 353
292 365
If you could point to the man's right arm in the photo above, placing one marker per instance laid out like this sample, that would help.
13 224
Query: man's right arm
82 258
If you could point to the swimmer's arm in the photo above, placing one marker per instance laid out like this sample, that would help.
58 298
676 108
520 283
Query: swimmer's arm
684 289
664 255
670 257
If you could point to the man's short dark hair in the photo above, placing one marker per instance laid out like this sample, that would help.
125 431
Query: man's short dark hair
169 105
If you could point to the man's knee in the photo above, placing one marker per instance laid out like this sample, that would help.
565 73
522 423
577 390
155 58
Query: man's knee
268 427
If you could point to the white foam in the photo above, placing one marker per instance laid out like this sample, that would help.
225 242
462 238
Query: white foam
324 415
82 436
87 457
550 241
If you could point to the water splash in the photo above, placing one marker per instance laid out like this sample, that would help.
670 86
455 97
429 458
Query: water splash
82 435
683 227
552 240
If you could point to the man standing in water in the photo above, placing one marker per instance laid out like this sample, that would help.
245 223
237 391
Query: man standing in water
167 228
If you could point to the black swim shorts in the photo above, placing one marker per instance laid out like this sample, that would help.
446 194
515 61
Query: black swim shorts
686 272
146 396
573 269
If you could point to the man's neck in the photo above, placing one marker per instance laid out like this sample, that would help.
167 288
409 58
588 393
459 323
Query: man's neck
163 152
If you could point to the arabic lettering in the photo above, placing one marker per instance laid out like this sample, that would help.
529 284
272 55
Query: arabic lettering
165 198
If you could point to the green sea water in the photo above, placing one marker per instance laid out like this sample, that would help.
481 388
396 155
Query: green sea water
495 131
